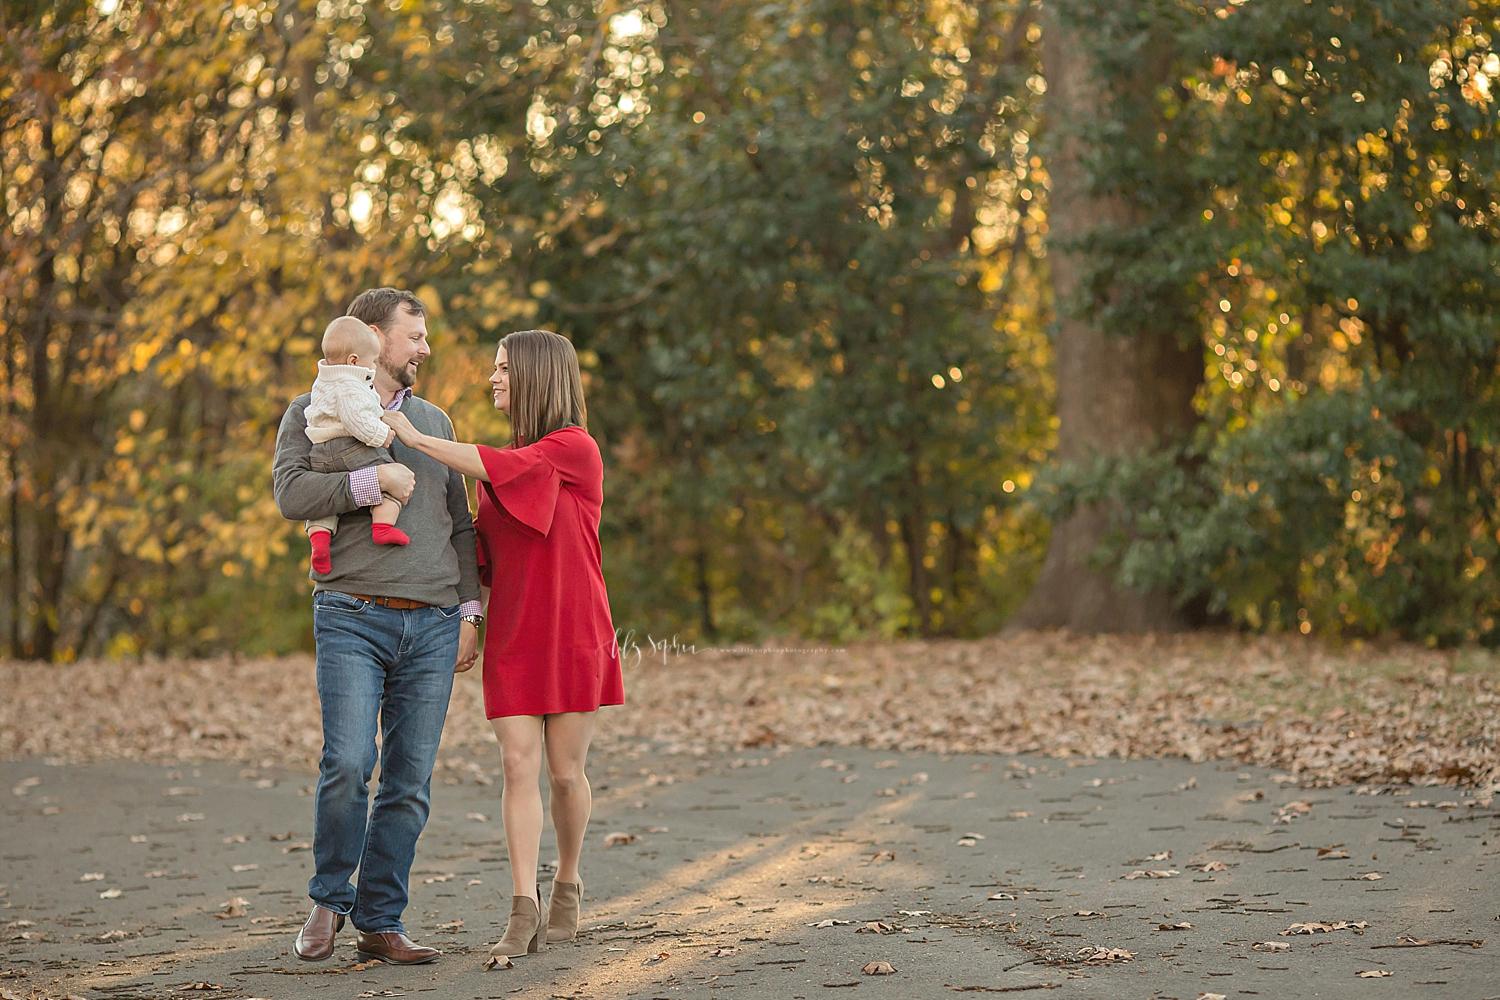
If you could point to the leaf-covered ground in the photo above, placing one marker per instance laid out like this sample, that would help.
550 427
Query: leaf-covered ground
1324 716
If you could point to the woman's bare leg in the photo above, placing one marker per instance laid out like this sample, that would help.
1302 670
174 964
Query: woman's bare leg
567 737
521 797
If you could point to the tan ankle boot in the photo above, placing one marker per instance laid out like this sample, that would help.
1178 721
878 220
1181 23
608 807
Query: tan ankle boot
527 928
562 911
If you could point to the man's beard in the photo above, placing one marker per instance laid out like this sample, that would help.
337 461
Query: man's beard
401 375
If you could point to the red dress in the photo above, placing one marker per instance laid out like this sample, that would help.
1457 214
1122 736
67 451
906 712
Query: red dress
550 644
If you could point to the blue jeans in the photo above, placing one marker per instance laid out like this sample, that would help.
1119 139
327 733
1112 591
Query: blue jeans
376 664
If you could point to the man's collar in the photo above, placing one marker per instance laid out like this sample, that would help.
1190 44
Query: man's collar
402 396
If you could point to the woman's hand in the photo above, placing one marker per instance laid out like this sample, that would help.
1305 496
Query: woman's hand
397 421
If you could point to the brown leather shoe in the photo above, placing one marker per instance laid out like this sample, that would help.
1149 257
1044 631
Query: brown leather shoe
394 948
315 939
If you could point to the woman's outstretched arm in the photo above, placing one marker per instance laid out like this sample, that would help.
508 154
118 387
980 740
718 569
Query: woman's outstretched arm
454 454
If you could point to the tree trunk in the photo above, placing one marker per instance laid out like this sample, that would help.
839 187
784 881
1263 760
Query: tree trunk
1115 393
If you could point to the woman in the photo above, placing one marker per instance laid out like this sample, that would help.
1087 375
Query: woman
550 658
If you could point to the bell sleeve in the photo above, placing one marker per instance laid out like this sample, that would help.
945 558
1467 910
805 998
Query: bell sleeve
482 554
523 483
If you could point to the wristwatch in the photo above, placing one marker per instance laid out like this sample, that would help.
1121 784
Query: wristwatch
475 620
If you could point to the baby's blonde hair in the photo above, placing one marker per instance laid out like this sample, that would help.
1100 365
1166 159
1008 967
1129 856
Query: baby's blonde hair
347 335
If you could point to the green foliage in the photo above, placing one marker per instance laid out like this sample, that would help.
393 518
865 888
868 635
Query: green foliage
789 271
1327 188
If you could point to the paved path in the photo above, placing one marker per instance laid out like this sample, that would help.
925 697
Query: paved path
777 875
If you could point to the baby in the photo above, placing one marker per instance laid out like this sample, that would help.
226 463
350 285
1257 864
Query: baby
344 425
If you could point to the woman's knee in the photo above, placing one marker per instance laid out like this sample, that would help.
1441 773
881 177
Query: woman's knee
566 776
521 765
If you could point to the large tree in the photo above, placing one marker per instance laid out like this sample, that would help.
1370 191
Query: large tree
1125 383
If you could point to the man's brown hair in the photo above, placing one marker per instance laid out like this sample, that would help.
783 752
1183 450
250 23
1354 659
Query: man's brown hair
546 387
377 306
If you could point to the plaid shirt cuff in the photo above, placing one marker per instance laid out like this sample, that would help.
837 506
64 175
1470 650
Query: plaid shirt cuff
365 485
471 608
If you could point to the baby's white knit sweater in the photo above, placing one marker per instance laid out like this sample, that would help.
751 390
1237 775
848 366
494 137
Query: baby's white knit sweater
345 404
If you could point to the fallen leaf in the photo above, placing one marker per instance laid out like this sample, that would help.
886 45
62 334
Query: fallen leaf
1329 854
114 935
289 848
830 922
1374 974
497 962
1253 796
1181 925
1211 996
882 856
878 969
478 817
660 956
1002 895
243 868
1164 855
1371 877
1212 866
1140 873
1271 946
1106 954
967 842
1081 913
91 877
723 952
1308 927
878 927
618 838
452 925
110 894
429 880
233 908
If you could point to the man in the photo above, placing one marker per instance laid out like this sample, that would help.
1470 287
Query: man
392 625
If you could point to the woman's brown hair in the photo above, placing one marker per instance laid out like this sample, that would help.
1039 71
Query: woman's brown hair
546 387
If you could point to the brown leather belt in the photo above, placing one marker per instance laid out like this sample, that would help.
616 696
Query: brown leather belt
398 603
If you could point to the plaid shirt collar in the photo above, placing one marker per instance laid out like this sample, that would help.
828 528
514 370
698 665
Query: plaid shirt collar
399 398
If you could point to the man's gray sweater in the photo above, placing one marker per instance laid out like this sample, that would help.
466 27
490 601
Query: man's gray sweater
438 567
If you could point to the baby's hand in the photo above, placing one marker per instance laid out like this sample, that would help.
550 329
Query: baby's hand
390 436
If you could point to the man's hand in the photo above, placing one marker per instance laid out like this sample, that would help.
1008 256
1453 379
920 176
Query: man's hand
468 646
397 480
397 421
